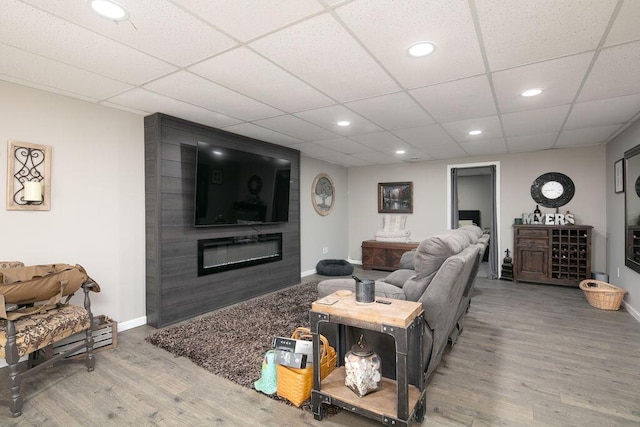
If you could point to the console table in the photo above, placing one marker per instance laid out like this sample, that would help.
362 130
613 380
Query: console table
384 255
559 255
396 401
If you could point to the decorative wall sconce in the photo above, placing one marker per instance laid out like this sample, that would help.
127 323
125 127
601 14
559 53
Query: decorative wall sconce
28 176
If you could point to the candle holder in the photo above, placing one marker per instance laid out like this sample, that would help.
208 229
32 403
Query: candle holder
28 176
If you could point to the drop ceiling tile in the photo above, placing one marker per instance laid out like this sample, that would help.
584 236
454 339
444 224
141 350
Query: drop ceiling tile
343 145
295 127
150 102
383 141
146 29
525 143
49 74
238 68
603 112
262 134
346 160
322 53
424 136
247 19
459 130
448 151
314 150
615 73
586 136
195 90
559 79
625 27
530 31
457 100
393 111
327 117
544 120
377 158
488 146
25 27
388 31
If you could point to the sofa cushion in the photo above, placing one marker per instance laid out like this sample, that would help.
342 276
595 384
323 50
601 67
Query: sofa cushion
472 231
407 260
383 289
433 251
398 277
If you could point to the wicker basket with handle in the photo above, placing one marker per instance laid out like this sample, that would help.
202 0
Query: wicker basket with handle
602 295
295 384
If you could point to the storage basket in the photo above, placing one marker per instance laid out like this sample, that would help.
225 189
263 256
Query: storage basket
602 295
295 384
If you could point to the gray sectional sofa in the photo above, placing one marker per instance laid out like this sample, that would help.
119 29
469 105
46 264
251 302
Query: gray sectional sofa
440 274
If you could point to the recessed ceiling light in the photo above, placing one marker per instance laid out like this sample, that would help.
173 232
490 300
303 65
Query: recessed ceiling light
400 151
109 9
531 92
475 132
421 49
343 123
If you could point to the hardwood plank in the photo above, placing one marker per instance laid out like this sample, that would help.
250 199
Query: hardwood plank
513 365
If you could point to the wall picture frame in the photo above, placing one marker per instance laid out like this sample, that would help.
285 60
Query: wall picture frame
323 194
618 176
395 197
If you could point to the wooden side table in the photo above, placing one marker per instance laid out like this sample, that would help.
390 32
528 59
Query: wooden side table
396 401
384 255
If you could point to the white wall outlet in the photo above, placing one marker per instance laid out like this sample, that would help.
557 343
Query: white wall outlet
325 250
618 272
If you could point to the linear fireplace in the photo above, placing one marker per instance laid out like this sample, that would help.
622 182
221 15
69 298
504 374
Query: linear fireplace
228 253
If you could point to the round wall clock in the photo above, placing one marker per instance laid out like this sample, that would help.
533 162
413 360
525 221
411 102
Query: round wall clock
638 186
552 189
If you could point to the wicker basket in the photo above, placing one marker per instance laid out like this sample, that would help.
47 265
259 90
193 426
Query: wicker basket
295 384
602 295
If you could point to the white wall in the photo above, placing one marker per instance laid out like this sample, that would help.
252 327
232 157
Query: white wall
97 194
316 231
474 193
585 166
627 278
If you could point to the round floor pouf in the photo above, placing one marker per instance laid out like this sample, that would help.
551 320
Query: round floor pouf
334 267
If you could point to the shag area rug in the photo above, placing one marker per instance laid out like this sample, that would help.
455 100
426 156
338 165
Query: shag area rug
231 342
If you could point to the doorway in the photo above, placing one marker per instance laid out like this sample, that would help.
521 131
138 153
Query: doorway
473 196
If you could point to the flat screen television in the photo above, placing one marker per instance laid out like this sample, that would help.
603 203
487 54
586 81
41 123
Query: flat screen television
235 187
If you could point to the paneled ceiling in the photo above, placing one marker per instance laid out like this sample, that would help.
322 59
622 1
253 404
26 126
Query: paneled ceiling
287 71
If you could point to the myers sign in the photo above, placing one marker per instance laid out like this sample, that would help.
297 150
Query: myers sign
548 219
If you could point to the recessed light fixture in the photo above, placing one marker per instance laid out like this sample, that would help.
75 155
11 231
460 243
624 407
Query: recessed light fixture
531 92
343 123
109 9
400 151
420 49
475 132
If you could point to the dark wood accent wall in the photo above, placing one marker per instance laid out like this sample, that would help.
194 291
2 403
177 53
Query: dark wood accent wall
174 292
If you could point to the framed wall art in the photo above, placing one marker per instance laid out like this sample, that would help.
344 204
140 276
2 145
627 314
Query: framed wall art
395 197
618 176
323 194
28 176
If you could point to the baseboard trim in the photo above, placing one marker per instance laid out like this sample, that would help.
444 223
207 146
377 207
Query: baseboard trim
632 311
308 273
133 323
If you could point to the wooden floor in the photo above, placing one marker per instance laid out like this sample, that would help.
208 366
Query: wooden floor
530 355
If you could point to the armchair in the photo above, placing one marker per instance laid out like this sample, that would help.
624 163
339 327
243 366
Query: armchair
30 327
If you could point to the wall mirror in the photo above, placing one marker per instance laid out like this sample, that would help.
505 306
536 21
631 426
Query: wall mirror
632 208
